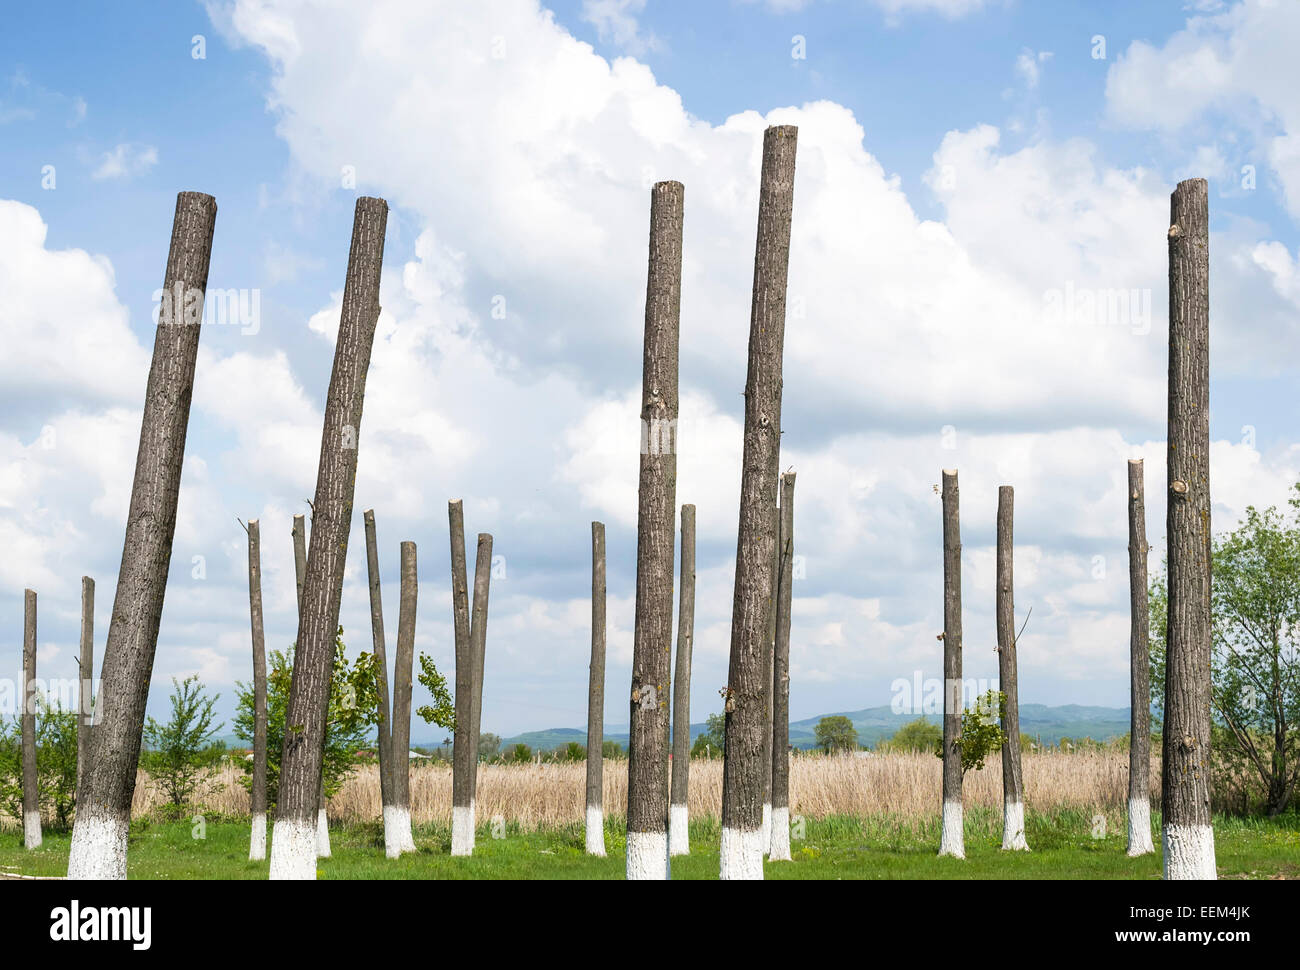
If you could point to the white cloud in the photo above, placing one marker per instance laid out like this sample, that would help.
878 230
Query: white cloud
616 23
125 160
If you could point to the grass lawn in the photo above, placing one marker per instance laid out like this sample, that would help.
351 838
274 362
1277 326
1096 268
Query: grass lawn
1063 844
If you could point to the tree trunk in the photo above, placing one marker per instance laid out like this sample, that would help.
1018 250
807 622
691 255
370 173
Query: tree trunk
478 648
769 662
31 779
1013 789
300 571
741 855
952 842
679 842
652 638
86 693
99 834
1185 781
1139 749
293 842
596 698
400 739
257 840
464 753
392 846
780 837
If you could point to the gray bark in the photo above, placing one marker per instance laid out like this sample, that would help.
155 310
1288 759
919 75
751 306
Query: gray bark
380 651
31 791
464 752
781 652
769 659
259 666
1012 781
401 734
952 683
147 547
86 694
1139 752
746 712
652 638
300 572
596 678
682 674
478 643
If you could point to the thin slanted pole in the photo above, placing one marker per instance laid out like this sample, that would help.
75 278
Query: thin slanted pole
464 755
400 738
679 842
780 837
294 838
1185 780
1139 748
99 833
596 698
86 691
952 842
257 839
392 847
300 571
741 855
652 636
1013 788
478 648
31 793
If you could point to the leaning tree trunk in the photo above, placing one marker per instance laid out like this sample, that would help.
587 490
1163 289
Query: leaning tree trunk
679 841
746 695
769 662
257 839
294 839
86 692
104 815
400 739
31 793
464 756
652 637
780 837
1139 748
1185 781
952 842
478 647
300 570
596 698
392 845
1013 789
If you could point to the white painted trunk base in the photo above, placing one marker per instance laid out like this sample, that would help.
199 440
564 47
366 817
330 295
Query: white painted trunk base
647 855
322 835
779 847
402 829
32 830
462 830
953 841
98 848
1189 852
767 827
1013 827
293 849
1139 827
595 830
741 854
257 841
679 834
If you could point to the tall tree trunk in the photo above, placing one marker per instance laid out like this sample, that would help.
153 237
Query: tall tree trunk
86 692
478 648
100 831
257 839
392 845
400 739
1139 749
596 698
1185 781
679 842
1013 789
769 663
652 638
746 706
300 570
31 779
780 838
464 754
294 839
952 842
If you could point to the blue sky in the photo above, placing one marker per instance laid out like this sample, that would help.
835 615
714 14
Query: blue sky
959 160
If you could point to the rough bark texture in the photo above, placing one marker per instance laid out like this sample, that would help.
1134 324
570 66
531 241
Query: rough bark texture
104 812
380 652
745 706
300 781
464 752
86 692
1139 751
682 680
780 840
31 794
259 678
402 666
652 638
478 643
953 840
1185 782
769 662
1013 789
596 694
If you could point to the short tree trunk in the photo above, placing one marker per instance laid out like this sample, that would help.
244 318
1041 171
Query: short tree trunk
596 698
1139 750
1185 781
464 755
300 571
768 676
780 837
31 790
679 842
952 841
392 824
294 840
86 692
104 812
1013 789
402 667
257 839
478 648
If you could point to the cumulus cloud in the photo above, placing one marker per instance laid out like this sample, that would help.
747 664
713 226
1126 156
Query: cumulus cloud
125 160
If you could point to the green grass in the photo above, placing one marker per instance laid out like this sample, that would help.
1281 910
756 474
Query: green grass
1063 846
